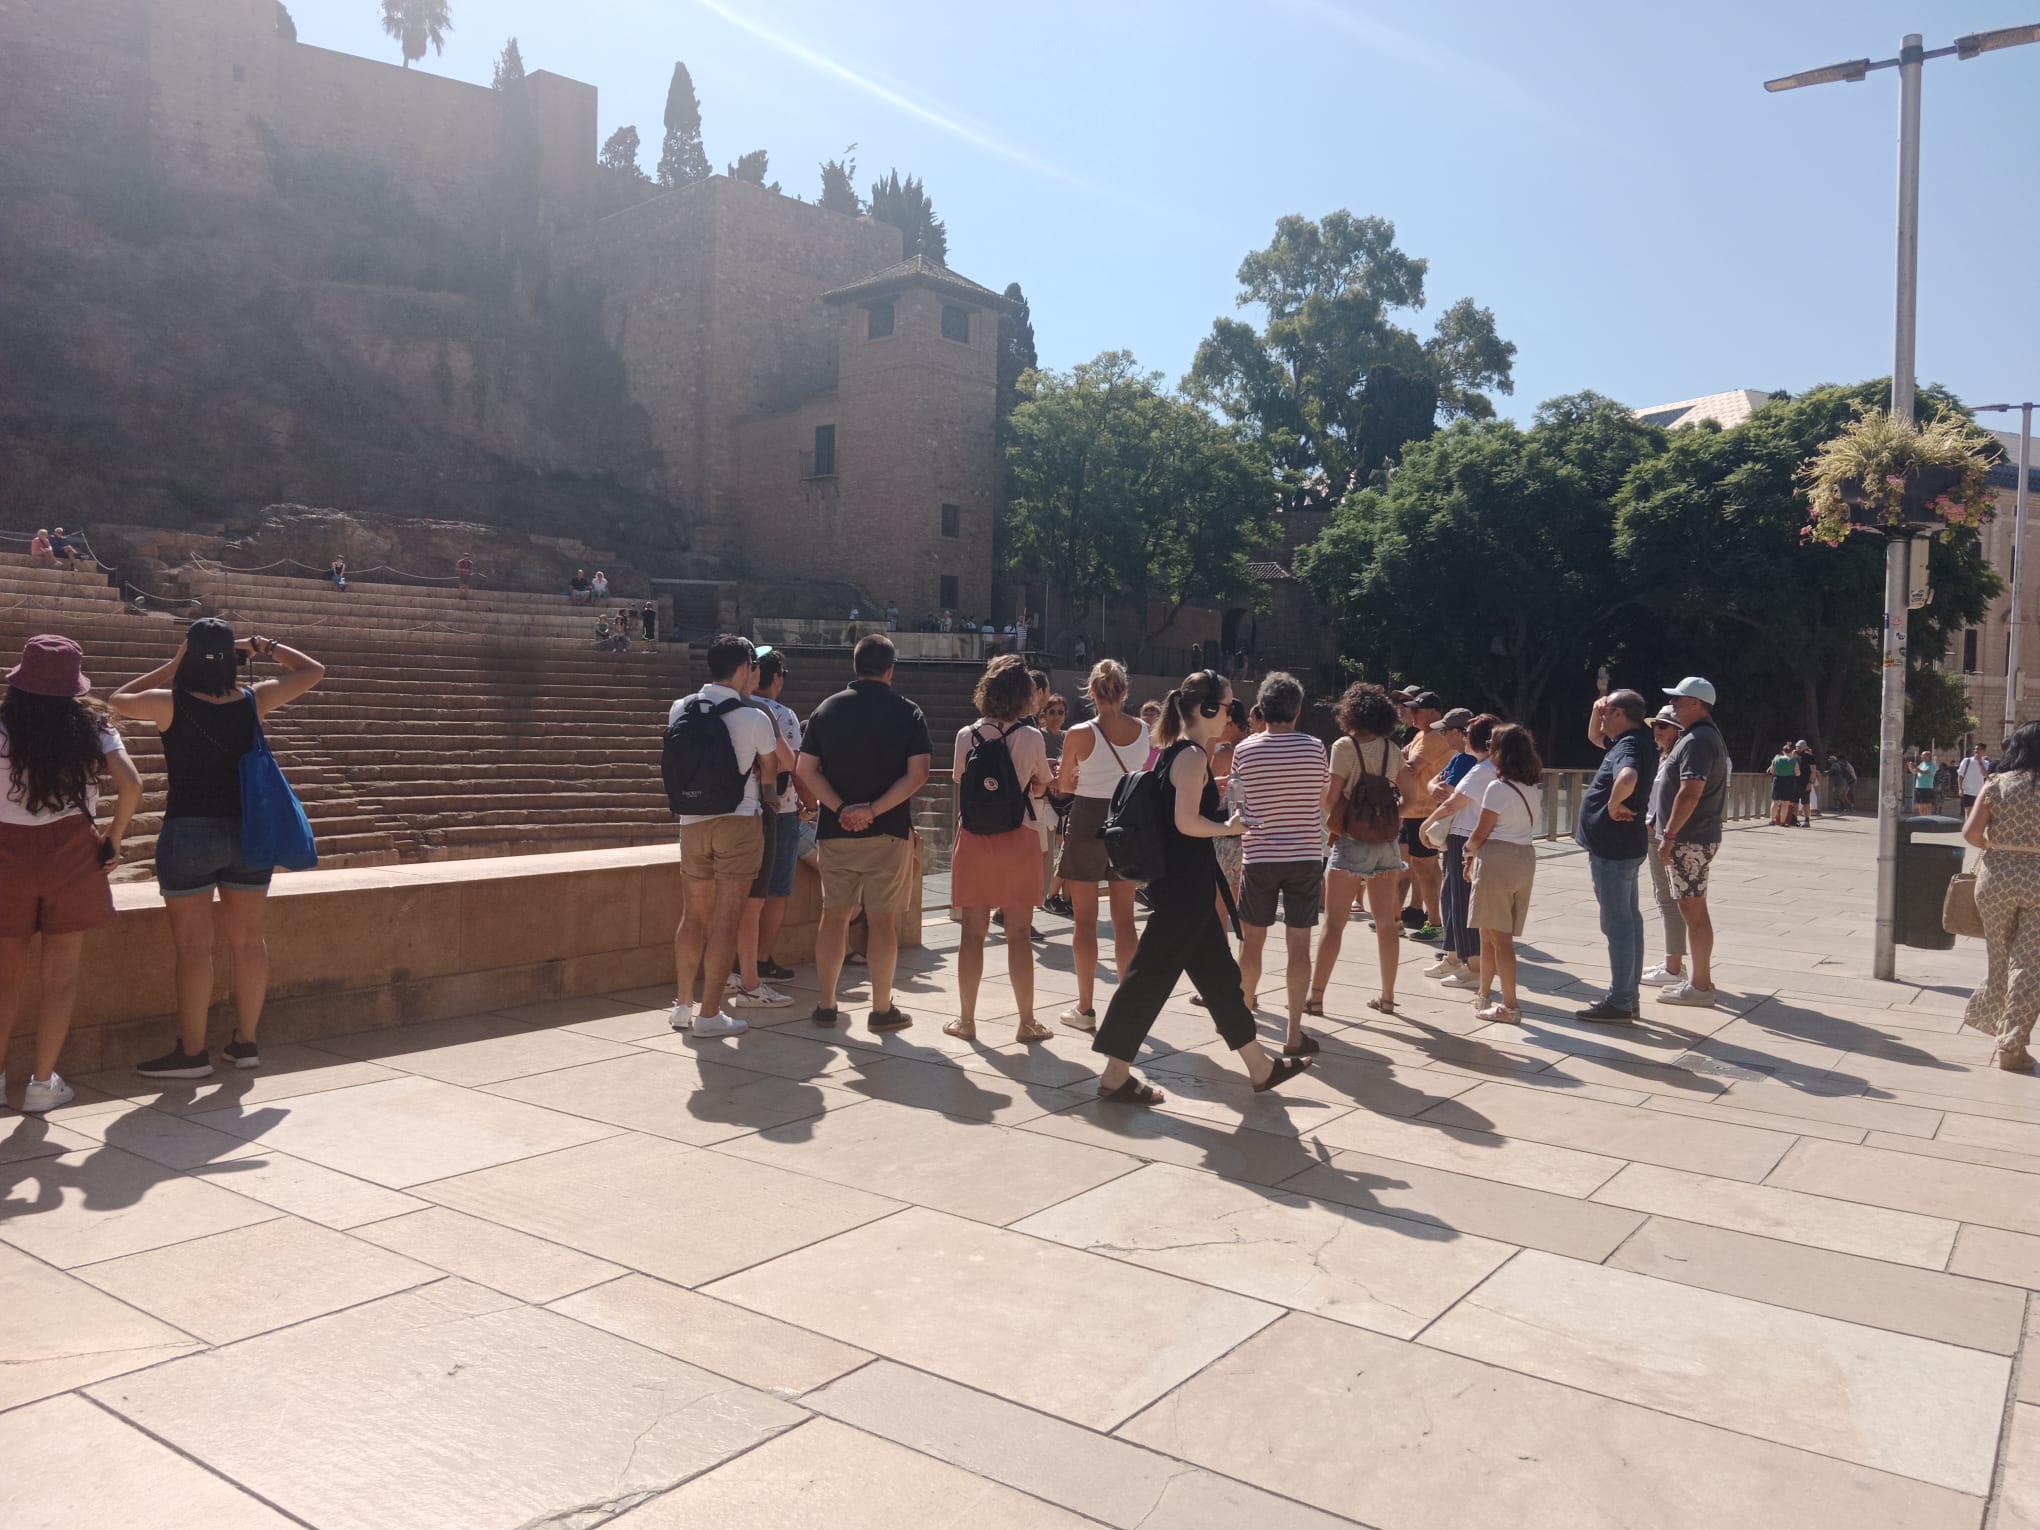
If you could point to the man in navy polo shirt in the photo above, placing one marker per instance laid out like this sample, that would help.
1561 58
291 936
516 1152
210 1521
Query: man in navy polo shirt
1611 831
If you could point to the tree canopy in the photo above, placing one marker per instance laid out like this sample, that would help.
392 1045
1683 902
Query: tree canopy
905 205
1331 384
752 167
509 67
620 152
682 160
417 25
839 184
1116 484
1016 350
1502 567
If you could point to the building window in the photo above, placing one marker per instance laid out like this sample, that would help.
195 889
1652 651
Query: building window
950 599
1969 652
823 463
880 320
952 521
955 323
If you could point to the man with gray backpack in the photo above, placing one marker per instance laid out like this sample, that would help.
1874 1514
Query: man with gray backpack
716 744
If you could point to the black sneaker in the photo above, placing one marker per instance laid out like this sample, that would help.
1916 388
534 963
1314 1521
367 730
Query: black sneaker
177 1064
1605 1013
242 1054
894 1019
771 969
826 1014
1061 906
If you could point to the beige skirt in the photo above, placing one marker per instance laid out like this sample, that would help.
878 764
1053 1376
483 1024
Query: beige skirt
1503 873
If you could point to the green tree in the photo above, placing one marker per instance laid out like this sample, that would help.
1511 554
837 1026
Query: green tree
1016 350
509 67
1332 385
620 152
285 27
752 167
416 25
839 184
683 160
905 205
1116 484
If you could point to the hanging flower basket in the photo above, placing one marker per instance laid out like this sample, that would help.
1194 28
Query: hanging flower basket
1883 474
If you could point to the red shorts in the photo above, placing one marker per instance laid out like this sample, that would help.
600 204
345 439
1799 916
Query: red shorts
51 880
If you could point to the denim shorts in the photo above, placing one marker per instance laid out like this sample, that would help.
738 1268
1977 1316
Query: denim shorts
785 856
1366 858
195 855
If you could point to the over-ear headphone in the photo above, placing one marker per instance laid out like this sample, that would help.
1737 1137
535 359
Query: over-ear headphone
1213 688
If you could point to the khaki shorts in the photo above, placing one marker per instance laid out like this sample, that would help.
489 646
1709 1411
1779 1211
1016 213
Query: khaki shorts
1503 874
726 849
877 872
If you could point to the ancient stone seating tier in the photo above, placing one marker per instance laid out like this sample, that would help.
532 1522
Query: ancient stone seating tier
424 743
304 604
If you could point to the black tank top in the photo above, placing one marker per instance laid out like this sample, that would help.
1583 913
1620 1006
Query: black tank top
1190 875
202 751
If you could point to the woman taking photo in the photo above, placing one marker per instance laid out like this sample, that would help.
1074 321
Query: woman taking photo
2005 825
55 746
1503 849
1000 870
1183 933
1366 748
1097 755
207 719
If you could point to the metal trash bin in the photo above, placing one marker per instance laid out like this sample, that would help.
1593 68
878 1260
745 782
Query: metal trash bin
1924 872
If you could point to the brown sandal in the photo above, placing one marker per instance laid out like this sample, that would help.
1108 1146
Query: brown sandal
962 1030
1381 1008
1033 1030
1315 1006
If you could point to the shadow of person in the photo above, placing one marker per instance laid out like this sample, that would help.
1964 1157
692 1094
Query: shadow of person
106 1177
1797 1023
728 1096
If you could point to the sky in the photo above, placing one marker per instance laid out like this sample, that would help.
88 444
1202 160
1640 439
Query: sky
1610 178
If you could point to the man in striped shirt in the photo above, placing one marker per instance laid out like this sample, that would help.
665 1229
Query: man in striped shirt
1278 778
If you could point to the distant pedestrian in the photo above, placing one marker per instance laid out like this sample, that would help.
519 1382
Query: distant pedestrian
338 573
1097 755
1665 732
650 615
1784 786
2004 823
598 587
1503 848
1151 719
865 754
1691 836
1281 776
465 568
56 747
578 588
1970 778
1183 936
64 550
39 548
1612 830
1923 783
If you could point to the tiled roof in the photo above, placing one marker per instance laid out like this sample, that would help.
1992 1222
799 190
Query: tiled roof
920 271
1725 409
1268 571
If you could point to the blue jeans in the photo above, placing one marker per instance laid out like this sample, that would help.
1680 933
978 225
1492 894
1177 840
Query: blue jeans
1622 923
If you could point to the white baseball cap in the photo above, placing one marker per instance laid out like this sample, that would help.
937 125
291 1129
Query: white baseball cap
1695 687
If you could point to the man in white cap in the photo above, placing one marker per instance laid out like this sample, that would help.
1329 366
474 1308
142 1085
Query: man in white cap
1691 832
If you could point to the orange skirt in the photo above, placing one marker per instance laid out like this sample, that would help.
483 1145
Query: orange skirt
996 870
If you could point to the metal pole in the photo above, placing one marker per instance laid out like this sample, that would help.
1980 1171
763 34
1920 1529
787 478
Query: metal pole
2018 572
1891 729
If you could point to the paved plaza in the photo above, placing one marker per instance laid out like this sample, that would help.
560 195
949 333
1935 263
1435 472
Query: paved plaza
559 1267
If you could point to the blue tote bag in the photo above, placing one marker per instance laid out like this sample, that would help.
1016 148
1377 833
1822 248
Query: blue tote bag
274 829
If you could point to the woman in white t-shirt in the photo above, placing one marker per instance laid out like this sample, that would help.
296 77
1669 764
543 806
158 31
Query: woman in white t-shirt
55 746
1503 849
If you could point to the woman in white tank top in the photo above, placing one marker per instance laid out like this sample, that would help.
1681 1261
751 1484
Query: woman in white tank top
1097 756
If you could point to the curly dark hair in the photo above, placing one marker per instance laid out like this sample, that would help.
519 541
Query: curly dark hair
1005 691
2022 749
1365 708
1515 754
53 750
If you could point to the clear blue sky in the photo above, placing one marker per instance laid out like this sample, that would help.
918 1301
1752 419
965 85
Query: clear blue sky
1612 180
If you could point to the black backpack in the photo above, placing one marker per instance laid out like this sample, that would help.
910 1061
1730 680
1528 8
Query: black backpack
700 760
990 800
1137 823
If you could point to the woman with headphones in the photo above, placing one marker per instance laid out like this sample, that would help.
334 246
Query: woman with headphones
1183 933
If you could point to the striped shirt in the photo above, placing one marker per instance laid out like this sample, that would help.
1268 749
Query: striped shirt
1281 778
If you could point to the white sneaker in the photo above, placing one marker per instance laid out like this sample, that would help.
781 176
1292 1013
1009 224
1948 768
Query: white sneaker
1459 977
764 996
719 1025
1686 993
681 1015
1079 1019
44 1094
1444 966
1661 976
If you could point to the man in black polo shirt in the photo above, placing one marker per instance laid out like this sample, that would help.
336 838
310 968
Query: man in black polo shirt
1611 831
865 754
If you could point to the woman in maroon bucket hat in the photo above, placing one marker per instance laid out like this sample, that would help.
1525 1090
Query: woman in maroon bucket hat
55 748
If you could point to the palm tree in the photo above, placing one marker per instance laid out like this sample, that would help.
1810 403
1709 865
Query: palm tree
417 23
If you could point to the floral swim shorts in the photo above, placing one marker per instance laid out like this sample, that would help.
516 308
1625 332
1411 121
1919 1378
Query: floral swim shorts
1687 869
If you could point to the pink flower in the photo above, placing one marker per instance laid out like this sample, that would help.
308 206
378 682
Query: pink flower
1896 478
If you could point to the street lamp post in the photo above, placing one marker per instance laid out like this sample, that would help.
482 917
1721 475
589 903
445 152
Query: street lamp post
2018 570
1891 730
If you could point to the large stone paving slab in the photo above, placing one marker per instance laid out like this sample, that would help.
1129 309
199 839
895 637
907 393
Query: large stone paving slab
1402 1437
671 1094
1083 1337
685 1214
57 1332
1900 1404
447 1406
79 1208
